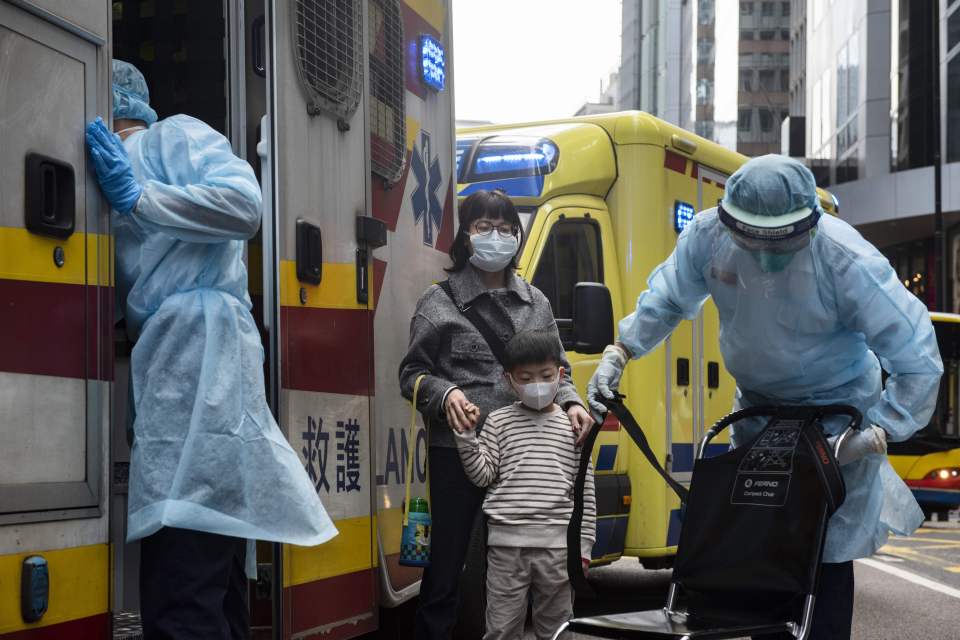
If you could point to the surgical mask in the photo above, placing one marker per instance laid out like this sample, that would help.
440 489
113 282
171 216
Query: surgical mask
493 252
771 262
537 395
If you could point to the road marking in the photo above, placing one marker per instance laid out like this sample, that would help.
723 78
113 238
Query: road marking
946 541
955 569
912 577
888 558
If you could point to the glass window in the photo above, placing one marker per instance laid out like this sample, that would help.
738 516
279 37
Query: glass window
767 79
768 34
746 80
766 119
785 8
746 8
766 8
705 12
842 85
785 35
784 79
573 254
953 30
704 91
746 34
953 109
704 51
745 120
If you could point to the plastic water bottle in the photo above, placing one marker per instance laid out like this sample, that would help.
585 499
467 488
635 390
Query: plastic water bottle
415 539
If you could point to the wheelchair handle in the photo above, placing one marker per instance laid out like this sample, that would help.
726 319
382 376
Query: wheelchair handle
819 412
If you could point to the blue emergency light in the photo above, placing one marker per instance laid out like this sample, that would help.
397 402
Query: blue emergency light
682 215
433 71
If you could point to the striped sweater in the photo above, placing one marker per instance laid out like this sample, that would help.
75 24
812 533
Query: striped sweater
528 460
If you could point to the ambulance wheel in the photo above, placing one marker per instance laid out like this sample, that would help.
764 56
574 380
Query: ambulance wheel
473 585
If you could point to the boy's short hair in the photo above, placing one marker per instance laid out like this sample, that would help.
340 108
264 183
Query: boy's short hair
533 346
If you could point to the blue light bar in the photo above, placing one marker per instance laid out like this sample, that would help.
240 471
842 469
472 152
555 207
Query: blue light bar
682 215
510 157
433 70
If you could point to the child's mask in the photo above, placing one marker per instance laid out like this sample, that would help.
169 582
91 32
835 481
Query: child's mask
537 395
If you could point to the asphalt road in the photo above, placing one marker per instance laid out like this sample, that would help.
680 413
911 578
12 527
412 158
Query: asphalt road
910 590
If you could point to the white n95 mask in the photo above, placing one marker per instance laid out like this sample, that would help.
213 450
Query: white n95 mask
493 252
537 395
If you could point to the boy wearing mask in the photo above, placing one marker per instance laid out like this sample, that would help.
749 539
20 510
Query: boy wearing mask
527 457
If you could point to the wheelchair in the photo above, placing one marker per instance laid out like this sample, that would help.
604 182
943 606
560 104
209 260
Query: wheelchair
754 524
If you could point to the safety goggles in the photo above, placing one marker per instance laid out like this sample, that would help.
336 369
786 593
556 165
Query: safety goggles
751 234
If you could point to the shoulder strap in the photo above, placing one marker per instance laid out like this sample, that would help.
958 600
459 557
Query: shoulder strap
581 587
496 345
628 422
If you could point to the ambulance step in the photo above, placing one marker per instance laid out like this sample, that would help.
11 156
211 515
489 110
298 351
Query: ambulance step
126 626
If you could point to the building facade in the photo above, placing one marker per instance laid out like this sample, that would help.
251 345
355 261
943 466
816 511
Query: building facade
720 68
657 37
880 88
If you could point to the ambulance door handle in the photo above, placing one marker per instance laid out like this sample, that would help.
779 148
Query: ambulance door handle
683 372
258 54
49 202
713 375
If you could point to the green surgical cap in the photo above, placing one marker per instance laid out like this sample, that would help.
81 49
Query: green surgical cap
771 185
131 98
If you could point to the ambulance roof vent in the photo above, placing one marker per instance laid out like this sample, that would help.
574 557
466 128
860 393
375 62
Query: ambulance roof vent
328 46
388 123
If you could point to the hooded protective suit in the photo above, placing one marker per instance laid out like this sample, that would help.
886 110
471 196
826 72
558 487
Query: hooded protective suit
816 332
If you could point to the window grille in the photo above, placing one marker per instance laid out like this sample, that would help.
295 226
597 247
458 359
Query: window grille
328 47
388 125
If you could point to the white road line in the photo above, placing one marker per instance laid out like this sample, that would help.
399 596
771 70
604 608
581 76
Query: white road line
911 577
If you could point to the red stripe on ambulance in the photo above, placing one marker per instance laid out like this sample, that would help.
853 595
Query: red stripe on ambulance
317 605
50 329
92 628
327 350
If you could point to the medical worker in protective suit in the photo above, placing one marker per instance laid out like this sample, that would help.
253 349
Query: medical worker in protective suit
809 313
210 470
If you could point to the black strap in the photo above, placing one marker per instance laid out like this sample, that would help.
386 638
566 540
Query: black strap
578 581
496 345
628 422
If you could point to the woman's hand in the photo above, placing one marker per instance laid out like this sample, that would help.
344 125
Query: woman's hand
462 415
580 421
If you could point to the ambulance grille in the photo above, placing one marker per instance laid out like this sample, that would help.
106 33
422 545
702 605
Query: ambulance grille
388 124
328 46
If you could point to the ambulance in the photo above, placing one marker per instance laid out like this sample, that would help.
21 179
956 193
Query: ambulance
345 111
603 199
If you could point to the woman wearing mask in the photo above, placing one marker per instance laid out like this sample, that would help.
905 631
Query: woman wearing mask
464 381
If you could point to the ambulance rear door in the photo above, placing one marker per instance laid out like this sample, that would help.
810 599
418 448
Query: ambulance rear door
55 313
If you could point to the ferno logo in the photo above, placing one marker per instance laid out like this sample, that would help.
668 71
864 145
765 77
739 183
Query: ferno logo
822 452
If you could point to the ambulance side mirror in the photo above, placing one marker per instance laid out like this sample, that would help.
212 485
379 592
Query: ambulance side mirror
592 317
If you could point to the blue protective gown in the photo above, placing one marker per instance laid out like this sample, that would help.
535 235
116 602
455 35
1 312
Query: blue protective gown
815 333
207 454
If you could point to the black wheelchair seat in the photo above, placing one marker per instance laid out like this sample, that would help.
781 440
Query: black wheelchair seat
754 524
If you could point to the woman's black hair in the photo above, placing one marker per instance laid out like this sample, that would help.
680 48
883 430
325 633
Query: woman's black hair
492 205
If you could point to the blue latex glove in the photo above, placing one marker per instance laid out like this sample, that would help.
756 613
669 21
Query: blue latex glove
113 168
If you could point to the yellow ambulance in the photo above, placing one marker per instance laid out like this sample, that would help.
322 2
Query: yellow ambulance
603 199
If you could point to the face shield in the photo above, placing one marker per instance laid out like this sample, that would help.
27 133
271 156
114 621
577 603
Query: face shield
778 235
